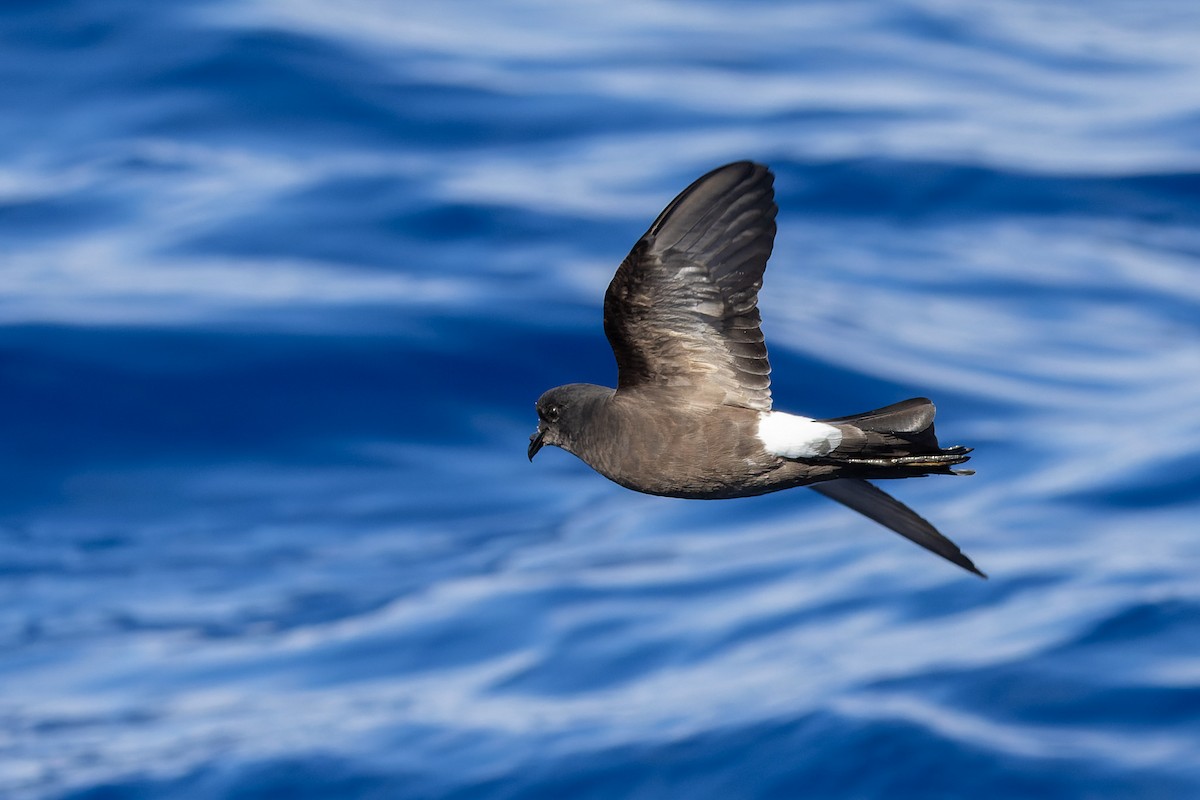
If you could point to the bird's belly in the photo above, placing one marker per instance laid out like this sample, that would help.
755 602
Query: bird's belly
698 466
707 486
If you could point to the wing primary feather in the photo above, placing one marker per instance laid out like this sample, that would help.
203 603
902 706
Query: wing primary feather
876 504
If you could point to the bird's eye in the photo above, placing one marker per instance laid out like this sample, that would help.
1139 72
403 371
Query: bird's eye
552 413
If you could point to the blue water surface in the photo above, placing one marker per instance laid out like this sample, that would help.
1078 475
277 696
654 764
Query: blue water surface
280 281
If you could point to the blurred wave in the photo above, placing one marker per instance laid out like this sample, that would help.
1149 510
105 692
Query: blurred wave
281 283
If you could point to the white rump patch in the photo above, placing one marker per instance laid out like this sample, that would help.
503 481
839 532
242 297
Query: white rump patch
789 436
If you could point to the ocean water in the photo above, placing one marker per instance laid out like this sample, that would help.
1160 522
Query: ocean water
280 281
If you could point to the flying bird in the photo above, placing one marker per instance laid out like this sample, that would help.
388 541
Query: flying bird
692 415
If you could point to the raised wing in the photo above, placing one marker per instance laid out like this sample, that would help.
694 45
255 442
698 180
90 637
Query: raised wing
682 310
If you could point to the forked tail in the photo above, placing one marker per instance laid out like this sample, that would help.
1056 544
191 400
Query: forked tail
896 441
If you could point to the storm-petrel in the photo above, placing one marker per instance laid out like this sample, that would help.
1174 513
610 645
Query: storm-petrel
691 415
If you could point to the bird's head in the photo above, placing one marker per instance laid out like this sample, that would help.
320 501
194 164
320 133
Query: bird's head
563 413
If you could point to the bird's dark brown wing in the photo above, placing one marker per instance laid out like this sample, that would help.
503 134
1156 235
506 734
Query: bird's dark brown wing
682 310
874 503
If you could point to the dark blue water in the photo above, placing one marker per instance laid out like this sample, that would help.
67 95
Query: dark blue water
280 281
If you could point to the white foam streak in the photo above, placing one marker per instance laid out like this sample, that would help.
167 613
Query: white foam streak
1021 67
98 282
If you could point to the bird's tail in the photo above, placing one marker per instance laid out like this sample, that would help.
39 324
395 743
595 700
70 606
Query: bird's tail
896 441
